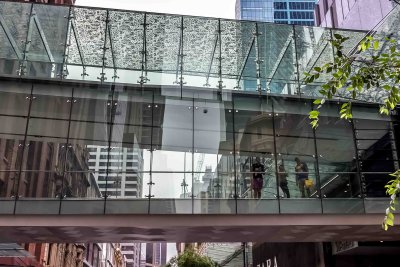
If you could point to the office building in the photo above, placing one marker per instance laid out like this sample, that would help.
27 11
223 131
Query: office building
118 171
352 14
169 95
300 12
132 253
155 254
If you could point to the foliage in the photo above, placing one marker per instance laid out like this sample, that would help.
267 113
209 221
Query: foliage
375 65
392 189
190 258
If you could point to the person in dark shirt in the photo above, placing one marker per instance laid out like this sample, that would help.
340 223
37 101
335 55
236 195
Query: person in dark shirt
257 183
282 179
301 176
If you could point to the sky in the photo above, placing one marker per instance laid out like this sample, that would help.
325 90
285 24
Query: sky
206 8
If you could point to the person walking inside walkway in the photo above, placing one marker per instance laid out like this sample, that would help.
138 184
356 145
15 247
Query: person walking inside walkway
258 170
282 179
301 176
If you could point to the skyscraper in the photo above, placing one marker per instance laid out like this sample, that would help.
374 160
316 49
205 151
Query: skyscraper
125 178
300 12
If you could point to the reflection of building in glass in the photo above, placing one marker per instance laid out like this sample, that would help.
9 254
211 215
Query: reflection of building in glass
50 170
124 175
132 253
300 12
156 254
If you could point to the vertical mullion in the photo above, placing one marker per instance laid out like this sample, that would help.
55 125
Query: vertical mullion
18 178
360 175
193 118
63 73
22 65
317 175
234 156
297 74
275 155
150 183
67 145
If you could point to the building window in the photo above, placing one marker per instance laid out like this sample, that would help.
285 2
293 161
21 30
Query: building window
280 15
301 5
280 5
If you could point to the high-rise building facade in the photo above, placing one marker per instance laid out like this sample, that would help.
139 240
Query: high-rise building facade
124 175
300 12
132 253
351 14
156 254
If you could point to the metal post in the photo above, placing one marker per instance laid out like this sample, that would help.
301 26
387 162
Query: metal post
150 183
317 176
22 65
179 65
143 77
258 60
64 69
297 75
24 145
363 191
275 154
220 85
234 155
102 77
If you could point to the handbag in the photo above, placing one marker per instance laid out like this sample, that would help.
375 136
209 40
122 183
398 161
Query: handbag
308 183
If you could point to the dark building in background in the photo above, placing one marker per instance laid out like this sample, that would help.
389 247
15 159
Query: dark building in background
351 14
300 12
156 254
335 254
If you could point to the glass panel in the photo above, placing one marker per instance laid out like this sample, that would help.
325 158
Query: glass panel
90 32
253 115
49 31
170 185
14 104
340 185
336 155
291 118
313 48
16 18
276 44
375 183
174 119
236 43
44 183
90 131
296 156
47 138
126 32
199 42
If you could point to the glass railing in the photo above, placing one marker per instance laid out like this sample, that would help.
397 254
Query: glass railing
92 44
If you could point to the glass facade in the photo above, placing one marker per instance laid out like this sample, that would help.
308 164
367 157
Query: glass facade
117 112
300 12
192 154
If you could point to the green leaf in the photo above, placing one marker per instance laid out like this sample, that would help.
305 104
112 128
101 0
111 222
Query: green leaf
313 114
317 101
317 69
376 45
338 36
